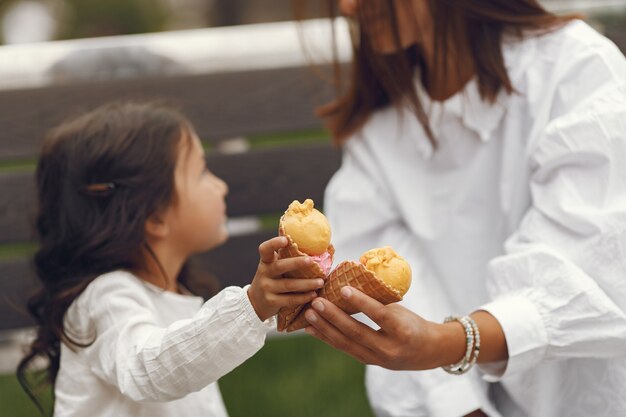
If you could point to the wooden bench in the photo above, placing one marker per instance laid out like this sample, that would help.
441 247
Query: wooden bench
222 105
263 180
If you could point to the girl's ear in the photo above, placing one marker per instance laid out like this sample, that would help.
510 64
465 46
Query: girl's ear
156 227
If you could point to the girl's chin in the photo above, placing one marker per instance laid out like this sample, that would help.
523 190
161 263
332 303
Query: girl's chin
219 238
222 236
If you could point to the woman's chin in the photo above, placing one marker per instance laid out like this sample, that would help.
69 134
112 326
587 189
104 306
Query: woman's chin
391 48
384 48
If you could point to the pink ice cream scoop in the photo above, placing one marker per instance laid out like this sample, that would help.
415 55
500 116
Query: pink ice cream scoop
325 261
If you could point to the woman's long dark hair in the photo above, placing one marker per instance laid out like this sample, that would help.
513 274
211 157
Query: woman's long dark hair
99 178
473 26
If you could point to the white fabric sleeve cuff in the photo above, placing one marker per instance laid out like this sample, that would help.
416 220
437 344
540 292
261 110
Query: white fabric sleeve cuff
458 397
525 333
251 315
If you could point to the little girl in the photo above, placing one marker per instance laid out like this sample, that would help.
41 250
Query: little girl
124 199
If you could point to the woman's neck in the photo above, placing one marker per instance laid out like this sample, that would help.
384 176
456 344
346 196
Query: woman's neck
443 83
442 88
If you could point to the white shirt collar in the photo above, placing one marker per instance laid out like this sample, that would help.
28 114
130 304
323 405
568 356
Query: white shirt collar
478 115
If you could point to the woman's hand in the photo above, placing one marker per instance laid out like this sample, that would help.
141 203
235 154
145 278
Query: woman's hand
270 291
405 341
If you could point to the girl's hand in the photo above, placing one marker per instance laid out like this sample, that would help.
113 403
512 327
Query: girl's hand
270 291
405 341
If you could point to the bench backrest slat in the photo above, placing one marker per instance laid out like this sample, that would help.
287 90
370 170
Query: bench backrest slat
219 105
234 263
261 182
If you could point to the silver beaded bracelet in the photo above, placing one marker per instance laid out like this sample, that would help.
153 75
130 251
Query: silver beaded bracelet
472 348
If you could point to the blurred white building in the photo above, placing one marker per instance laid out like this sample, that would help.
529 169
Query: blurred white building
28 21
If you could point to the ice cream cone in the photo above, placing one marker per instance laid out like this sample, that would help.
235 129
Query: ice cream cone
351 274
287 314
291 251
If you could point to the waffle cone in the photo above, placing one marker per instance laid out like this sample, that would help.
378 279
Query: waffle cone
291 251
287 314
351 274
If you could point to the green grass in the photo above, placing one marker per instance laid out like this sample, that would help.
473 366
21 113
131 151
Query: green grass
288 139
15 403
16 250
256 142
294 376
612 21
297 377
270 221
17 165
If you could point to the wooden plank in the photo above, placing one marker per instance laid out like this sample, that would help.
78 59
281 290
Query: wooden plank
261 181
17 283
234 263
266 181
220 105
17 206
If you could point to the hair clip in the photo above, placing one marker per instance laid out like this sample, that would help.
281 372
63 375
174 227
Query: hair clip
104 188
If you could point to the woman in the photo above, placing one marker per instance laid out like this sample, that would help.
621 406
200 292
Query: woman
485 141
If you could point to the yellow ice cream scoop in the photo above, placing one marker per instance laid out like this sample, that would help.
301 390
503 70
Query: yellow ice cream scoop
307 226
381 274
389 267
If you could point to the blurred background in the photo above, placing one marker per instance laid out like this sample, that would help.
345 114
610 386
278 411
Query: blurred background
44 20
49 42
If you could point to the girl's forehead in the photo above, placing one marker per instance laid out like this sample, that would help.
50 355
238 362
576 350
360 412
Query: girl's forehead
195 142
189 151
190 142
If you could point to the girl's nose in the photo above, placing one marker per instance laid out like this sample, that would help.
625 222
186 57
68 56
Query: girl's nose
221 185
348 7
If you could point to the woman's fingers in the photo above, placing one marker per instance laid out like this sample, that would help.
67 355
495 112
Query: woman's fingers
341 323
372 308
267 249
363 357
399 344
327 332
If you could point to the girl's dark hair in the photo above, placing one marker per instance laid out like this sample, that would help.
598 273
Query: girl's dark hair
473 26
99 178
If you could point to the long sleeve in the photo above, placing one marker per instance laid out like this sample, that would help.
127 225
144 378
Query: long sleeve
363 216
560 289
147 362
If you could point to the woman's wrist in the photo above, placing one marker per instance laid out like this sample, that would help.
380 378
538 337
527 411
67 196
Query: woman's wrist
494 348
448 343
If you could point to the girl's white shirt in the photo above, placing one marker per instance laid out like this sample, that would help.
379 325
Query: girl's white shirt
155 353
521 211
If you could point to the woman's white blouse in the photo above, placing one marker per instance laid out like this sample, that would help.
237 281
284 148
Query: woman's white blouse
521 211
155 353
